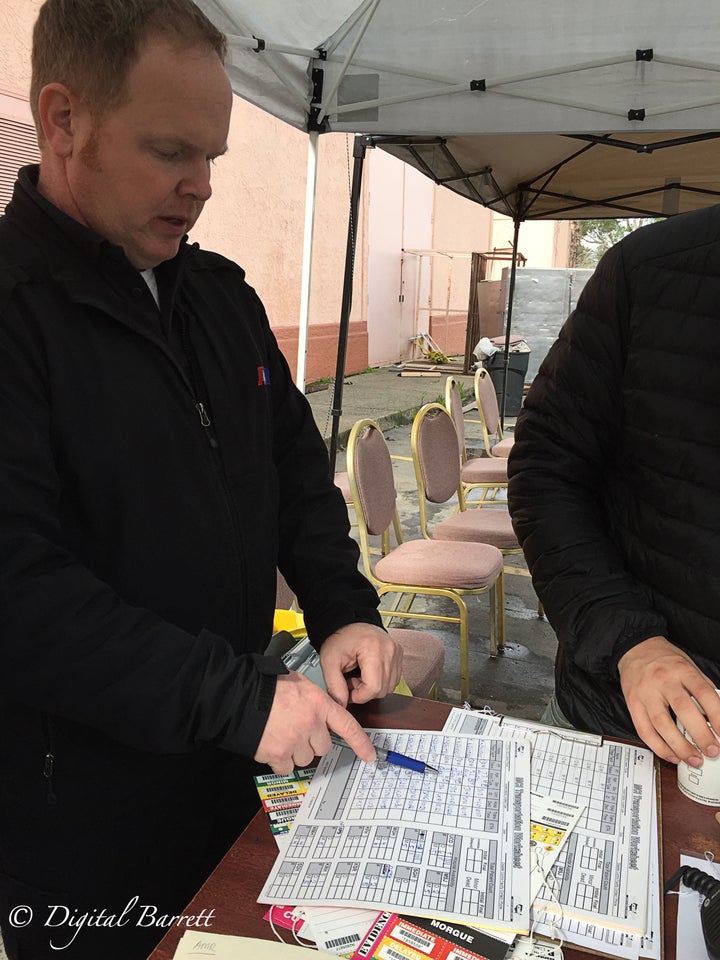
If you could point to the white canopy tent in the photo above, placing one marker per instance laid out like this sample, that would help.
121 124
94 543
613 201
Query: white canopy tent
469 67
559 109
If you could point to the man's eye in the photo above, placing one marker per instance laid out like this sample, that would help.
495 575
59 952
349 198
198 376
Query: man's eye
167 154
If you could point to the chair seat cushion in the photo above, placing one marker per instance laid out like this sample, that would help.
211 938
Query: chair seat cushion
492 525
485 470
441 563
423 658
342 480
503 447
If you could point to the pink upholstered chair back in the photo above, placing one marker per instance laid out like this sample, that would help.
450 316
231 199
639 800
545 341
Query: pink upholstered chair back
487 400
374 480
436 453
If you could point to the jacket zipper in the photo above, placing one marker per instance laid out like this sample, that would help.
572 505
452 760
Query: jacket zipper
192 383
49 761
206 423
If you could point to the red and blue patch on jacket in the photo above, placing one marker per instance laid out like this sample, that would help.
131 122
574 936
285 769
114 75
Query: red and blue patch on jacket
263 376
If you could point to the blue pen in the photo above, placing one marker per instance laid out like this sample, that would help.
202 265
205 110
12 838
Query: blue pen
390 756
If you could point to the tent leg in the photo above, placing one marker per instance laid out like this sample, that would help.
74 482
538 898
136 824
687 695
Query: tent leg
359 148
508 322
310 192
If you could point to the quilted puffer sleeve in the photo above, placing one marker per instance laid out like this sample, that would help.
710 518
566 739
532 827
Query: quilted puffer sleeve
568 440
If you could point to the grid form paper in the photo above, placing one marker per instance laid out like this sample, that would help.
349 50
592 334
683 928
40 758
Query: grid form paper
601 874
618 944
452 845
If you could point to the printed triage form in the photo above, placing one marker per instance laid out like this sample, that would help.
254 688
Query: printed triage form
451 845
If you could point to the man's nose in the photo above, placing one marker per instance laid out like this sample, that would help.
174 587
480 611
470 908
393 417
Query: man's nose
196 182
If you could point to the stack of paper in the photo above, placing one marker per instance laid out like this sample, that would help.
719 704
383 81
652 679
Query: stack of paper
603 892
523 825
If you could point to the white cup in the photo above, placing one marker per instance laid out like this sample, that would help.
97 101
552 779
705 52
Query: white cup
701 784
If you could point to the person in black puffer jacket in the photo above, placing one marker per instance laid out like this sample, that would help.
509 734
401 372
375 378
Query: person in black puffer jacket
615 491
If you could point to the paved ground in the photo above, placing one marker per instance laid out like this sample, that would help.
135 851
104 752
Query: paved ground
381 394
519 681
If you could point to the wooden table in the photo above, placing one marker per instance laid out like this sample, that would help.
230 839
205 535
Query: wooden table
232 889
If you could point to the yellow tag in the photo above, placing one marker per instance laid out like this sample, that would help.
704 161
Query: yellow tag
289 620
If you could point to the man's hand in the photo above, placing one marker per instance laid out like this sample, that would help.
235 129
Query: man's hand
367 652
656 677
299 725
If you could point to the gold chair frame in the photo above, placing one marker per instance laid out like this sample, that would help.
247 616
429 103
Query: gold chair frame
508 569
490 490
411 591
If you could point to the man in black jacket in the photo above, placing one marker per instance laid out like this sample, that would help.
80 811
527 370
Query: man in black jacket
615 496
157 465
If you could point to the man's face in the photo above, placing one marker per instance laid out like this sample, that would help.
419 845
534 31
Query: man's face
140 175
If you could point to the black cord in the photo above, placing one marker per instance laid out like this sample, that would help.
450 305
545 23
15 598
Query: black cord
695 879
709 887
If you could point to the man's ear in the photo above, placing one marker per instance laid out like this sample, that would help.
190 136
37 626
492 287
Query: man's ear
57 108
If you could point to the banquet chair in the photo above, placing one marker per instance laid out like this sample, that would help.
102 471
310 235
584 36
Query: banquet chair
416 567
342 481
423 652
489 413
488 474
437 473
343 484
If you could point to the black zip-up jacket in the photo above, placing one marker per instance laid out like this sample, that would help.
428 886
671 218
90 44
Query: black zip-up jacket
155 468
615 472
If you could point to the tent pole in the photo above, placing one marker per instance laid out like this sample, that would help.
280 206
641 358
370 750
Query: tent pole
359 147
508 322
310 191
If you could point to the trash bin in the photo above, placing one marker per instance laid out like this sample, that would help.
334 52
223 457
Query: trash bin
517 369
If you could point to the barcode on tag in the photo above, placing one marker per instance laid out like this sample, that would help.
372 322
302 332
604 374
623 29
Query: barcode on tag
414 939
343 941
390 954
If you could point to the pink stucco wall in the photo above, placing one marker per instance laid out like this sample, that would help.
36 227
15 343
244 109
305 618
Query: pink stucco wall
16 22
399 211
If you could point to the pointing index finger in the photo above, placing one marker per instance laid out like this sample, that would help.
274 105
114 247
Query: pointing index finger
346 726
